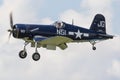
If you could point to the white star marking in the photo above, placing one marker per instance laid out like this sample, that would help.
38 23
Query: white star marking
78 34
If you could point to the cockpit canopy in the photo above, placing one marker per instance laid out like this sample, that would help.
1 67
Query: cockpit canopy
58 24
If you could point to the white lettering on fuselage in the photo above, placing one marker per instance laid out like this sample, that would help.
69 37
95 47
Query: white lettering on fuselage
61 32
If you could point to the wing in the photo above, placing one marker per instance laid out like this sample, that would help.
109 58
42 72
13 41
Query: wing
52 42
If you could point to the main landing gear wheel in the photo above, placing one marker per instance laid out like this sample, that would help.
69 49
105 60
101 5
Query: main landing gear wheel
22 54
36 56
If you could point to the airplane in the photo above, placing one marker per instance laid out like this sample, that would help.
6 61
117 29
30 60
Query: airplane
58 34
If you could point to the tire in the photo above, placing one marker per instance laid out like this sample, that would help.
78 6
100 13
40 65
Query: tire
22 54
36 56
94 48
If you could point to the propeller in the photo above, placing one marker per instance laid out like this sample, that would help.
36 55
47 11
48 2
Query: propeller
11 25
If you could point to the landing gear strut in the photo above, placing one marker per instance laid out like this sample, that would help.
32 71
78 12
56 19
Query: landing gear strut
23 53
36 55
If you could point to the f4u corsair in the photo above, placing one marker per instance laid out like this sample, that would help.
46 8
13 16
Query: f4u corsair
58 35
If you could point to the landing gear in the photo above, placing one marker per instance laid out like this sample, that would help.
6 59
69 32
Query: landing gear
94 48
93 45
36 55
23 53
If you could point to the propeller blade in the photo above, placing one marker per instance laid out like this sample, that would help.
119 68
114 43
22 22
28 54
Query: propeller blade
11 21
11 25
9 36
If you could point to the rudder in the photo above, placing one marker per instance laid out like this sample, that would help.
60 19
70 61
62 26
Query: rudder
99 24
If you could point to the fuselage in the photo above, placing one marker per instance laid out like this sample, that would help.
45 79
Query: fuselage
76 33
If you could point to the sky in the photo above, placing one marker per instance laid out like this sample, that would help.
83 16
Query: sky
78 61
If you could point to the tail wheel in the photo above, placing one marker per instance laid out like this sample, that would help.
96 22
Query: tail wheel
22 54
94 48
93 44
36 56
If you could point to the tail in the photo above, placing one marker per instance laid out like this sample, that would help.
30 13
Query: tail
99 24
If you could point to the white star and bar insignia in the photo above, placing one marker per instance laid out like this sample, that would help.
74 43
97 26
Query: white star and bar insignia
78 34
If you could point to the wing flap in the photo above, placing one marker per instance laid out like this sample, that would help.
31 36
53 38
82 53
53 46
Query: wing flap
63 46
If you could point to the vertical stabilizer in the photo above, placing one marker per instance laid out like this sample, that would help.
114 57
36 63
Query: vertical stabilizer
99 24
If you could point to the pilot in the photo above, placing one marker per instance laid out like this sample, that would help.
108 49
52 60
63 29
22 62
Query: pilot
59 25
